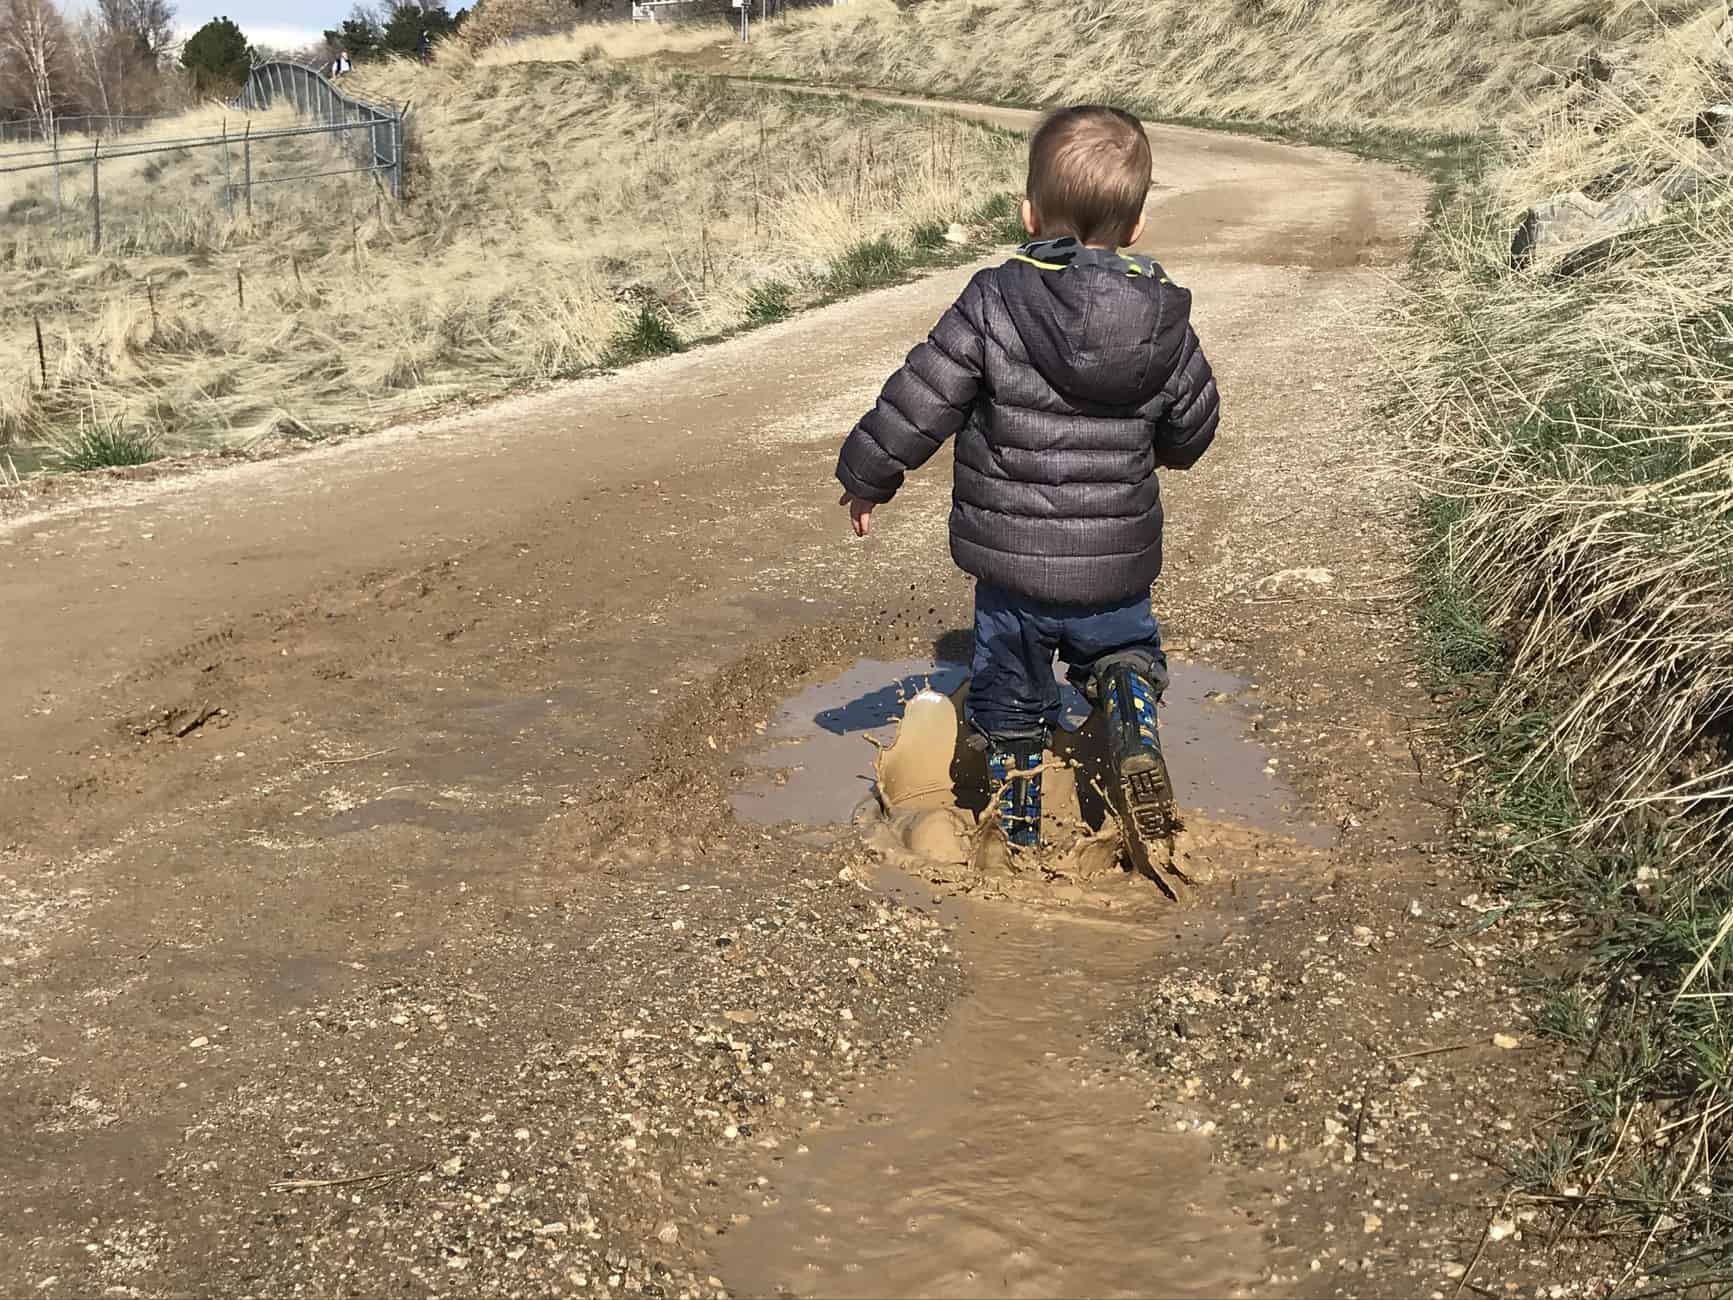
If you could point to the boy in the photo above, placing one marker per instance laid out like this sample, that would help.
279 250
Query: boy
1069 374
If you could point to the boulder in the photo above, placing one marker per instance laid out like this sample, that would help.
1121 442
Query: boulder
1714 125
1558 222
1574 221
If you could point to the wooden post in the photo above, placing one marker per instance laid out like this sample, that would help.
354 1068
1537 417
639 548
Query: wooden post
96 196
41 352
150 297
240 289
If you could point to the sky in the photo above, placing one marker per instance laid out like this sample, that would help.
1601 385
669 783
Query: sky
285 24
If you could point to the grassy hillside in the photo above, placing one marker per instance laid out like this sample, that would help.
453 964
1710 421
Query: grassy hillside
562 216
1438 66
1574 443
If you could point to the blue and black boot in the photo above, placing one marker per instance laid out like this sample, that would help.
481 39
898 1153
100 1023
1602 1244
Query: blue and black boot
1141 792
1019 796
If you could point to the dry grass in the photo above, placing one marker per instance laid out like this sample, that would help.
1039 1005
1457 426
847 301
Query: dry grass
1441 68
556 207
1575 432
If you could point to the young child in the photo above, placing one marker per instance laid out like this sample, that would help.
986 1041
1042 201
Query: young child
1068 374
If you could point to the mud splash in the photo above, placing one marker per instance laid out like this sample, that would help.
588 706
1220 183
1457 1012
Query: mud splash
1013 1157
831 759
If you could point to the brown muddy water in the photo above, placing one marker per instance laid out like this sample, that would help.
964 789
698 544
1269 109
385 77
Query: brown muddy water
1014 1156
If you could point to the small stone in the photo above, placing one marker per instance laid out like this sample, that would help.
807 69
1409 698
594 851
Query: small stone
668 1233
1500 1229
1370 1223
522 1135
452 1166
1509 1042
200 1041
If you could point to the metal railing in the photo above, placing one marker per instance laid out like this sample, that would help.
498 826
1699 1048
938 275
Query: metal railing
374 129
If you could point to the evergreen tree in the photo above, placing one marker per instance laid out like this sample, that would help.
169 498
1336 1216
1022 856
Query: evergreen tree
217 57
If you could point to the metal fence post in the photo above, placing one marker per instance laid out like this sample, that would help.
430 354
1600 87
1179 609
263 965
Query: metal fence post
247 166
228 173
96 196
54 143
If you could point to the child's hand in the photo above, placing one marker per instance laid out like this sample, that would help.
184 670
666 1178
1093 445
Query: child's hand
860 513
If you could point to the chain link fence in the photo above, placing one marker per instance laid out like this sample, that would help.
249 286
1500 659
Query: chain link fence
377 126
62 180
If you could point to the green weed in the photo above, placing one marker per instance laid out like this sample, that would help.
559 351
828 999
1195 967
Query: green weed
768 302
1002 215
867 265
929 237
101 444
647 334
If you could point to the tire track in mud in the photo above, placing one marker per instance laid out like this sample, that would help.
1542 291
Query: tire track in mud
391 803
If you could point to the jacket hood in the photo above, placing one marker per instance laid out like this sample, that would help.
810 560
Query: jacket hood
1102 327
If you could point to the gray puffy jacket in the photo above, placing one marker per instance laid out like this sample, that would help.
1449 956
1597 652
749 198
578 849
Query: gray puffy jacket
1068 374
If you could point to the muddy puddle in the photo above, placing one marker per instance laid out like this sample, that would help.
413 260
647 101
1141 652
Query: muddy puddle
1013 1156
1009 1157
821 750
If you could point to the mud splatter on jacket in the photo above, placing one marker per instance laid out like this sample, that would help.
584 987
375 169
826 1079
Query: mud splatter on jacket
1068 374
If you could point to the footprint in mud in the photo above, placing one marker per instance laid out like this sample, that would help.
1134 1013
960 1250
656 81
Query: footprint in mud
919 789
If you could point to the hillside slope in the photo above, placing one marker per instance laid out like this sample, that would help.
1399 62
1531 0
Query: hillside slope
1437 67
560 216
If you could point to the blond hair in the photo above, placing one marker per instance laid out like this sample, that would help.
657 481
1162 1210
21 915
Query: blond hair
1089 169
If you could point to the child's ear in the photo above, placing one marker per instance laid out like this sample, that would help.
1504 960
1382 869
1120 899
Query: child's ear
1136 233
1029 222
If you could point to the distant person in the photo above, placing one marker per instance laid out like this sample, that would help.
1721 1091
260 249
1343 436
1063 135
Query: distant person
340 66
424 46
1069 374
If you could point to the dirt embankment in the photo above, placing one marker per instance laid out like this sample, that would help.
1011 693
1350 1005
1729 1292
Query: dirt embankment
376 917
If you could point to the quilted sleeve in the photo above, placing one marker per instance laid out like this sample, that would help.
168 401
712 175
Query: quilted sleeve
1193 408
922 404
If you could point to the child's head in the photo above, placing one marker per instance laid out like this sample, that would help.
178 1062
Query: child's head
1088 176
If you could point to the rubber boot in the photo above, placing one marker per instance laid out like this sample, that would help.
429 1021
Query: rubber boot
1019 797
1141 792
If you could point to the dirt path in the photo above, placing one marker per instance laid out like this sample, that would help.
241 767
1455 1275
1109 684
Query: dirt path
365 817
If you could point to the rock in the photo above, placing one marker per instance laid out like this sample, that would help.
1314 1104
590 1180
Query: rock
1370 1223
1562 220
1612 66
1714 125
1499 1229
1290 581
956 233
1574 221
1509 1042
668 1233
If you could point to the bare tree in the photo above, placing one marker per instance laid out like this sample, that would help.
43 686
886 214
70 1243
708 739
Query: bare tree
147 26
33 49
99 65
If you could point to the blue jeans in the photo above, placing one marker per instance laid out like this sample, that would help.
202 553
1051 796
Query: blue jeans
1013 694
